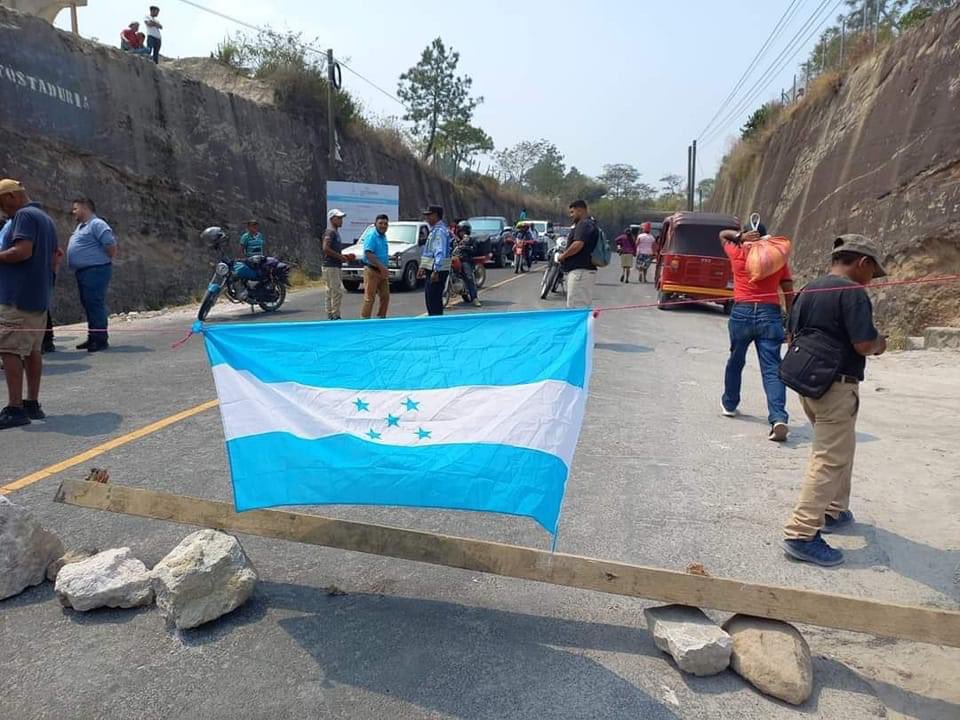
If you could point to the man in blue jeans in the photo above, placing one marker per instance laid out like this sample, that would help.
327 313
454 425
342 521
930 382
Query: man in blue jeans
756 319
90 255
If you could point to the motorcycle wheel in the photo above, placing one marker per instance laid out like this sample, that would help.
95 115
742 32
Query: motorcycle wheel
208 302
479 275
446 293
274 305
548 282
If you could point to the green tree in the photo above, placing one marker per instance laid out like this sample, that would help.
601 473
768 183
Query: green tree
434 94
516 162
547 174
673 184
621 180
577 186
458 142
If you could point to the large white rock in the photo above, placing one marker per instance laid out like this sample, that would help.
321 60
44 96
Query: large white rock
112 578
697 644
207 575
25 549
70 556
772 656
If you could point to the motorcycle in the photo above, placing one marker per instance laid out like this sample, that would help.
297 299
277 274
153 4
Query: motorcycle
552 280
521 255
456 286
257 280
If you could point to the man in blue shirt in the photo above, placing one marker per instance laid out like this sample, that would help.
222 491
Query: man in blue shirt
251 242
26 261
435 261
376 275
90 255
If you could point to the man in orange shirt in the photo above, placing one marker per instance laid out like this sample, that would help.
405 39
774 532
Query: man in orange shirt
756 319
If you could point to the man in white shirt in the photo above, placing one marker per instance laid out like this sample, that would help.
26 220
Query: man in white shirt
646 245
153 33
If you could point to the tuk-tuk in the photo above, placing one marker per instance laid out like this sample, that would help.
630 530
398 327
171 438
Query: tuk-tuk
691 263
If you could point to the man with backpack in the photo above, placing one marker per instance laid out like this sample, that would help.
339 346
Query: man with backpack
577 261
832 335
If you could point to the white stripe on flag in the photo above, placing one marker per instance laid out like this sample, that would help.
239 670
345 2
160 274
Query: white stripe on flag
542 416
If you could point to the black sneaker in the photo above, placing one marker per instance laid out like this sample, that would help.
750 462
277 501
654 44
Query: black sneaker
11 417
813 551
97 345
33 410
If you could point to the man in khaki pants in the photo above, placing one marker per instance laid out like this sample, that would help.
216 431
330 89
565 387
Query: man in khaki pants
836 306
376 275
333 260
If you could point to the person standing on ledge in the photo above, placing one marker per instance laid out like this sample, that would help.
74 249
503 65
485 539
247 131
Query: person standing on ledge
837 309
153 33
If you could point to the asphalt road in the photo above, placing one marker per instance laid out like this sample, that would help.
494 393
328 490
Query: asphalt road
659 478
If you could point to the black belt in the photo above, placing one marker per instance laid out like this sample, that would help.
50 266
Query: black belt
848 379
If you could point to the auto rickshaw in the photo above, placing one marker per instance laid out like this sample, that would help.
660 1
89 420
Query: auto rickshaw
691 263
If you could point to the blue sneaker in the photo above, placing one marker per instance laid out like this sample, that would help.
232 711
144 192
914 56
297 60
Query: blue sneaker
814 551
832 525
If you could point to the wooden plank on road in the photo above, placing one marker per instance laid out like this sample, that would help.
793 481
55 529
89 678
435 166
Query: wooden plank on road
940 627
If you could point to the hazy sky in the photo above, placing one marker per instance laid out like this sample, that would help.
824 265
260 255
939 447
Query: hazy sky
606 81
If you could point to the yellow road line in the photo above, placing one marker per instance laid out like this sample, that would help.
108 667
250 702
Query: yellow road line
106 447
137 434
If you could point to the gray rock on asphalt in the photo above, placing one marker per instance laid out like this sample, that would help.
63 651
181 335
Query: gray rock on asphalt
697 644
112 578
70 556
772 656
207 575
25 549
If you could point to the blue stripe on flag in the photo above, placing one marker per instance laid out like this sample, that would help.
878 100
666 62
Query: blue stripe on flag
410 353
280 469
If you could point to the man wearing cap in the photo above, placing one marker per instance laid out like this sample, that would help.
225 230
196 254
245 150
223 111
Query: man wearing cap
333 260
756 319
26 262
836 306
435 261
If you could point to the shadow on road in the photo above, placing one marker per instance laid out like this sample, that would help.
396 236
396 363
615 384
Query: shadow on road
623 347
68 368
466 662
92 425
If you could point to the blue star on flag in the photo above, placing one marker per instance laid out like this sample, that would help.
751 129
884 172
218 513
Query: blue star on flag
393 421
361 405
411 405
423 434
373 434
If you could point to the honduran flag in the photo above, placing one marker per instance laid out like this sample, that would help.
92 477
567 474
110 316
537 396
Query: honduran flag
472 412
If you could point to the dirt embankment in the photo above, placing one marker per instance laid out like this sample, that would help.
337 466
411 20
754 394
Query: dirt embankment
877 153
167 151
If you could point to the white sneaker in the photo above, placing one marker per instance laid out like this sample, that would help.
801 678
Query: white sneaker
728 413
779 432
477 303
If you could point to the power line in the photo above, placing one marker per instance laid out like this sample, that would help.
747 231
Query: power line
306 46
771 38
797 43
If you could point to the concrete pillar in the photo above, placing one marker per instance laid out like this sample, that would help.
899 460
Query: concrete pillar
47 9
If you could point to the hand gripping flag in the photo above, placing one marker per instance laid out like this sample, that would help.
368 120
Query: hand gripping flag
476 412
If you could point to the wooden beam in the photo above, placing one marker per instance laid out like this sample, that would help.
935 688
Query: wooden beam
940 627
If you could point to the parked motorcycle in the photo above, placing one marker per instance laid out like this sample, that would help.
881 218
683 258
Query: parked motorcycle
521 255
552 281
257 280
456 286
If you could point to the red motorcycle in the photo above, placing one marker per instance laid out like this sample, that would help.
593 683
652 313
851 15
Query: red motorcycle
521 255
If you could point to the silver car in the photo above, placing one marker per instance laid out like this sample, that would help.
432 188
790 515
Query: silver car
405 240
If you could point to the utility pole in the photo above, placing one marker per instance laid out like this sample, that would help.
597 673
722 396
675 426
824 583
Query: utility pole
843 39
689 171
692 182
700 191
794 88
331 115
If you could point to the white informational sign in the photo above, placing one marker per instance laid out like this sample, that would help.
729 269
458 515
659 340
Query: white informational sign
362 202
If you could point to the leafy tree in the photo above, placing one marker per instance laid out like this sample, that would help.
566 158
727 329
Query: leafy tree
547 174
458 142
673 184
516 162
760 118
434 94
577 186
621 179
705 189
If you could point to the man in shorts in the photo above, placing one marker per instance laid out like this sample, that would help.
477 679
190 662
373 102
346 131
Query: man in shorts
26 261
